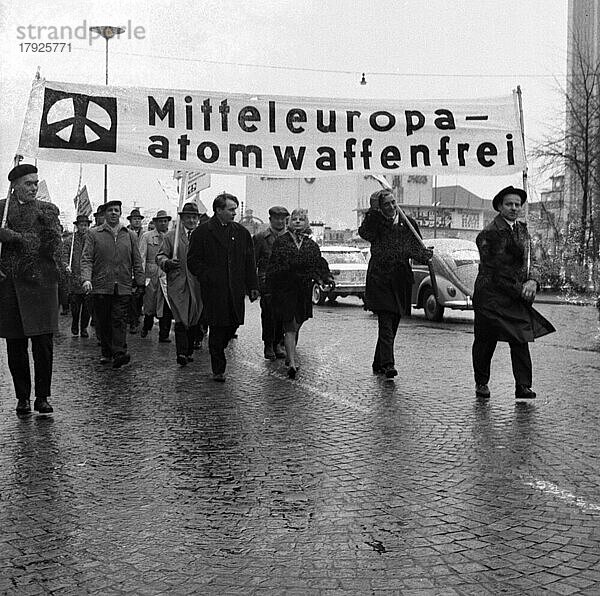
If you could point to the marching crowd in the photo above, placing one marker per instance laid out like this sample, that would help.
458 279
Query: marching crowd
199 273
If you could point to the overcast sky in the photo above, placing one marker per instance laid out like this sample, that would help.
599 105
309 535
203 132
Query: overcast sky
433 49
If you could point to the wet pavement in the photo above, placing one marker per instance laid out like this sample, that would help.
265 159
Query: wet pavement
153 479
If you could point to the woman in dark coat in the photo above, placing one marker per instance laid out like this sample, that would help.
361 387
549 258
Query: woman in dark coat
295 265
389 276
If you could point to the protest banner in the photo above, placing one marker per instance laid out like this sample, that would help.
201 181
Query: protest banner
280 136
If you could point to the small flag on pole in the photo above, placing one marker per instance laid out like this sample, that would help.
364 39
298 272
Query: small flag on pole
82 203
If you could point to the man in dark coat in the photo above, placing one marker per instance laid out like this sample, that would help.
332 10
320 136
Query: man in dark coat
31 244
78 301
389 276
111 269
505 288
272 330
221 256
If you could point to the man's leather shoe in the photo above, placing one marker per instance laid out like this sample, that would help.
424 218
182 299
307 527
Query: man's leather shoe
219 377
42 406
482 391
390 372
182 360
269 352
105 359
23 406
523 392
120 360
292 371
377 370
74 332
164 340
144 333
84 333
190 358
279 351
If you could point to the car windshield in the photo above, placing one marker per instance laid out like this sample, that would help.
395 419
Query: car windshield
344 257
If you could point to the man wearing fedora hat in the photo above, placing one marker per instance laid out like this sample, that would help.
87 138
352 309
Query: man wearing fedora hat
78 301
31 244
155 301
136 302
183 288
99 215
505 289
111 270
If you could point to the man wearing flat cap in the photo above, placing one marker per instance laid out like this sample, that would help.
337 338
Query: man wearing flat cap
183 288
272 330
505 289
31 244
136 302
155 301
111 270
78 301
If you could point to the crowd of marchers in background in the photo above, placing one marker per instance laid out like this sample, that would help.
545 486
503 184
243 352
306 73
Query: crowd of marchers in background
119 278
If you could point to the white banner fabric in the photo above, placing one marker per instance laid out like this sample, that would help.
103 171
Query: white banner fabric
271 136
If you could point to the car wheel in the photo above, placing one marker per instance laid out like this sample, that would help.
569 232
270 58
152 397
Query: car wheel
434 311
318 296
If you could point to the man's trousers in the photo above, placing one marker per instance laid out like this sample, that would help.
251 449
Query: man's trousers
110 312
218 338
18 364
483 350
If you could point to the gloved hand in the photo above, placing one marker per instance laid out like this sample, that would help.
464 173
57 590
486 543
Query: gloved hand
171 265
8 235
428 254
87 286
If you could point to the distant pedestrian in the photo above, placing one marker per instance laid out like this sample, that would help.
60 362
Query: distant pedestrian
31 244
78 300
295 266
221 256
272 330
136 301
183 288
63 277
110 261
389 275
155 302
505 289
99 215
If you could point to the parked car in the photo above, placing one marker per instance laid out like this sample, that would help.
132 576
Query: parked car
460 264
349 269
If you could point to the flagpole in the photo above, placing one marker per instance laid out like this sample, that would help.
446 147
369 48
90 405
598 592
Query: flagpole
182 195
16 160
76 214
522 125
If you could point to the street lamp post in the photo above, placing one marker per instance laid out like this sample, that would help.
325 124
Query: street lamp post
107 32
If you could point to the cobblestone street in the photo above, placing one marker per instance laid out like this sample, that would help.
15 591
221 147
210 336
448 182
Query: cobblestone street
153 479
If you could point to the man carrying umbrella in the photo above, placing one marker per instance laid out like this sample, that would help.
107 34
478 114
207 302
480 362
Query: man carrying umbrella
505 289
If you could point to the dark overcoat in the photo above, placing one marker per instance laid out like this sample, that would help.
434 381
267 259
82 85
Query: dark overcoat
290 275
222 258
389 275
29 294
500 311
